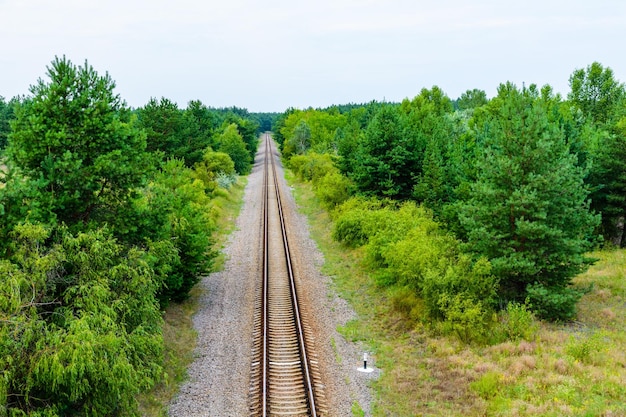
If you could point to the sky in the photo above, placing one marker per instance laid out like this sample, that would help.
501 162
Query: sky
270 55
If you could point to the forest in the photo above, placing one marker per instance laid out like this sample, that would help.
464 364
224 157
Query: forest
464 210
501 198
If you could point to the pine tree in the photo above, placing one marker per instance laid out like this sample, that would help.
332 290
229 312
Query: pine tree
77 146
386 161
528 211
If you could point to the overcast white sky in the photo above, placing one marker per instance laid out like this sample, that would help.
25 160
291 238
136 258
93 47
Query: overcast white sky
273 54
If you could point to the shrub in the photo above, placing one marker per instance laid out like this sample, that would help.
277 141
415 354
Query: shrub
351 228
461 277
462 296
488 385
411 246
312 166
584 347
215 169
464 316
357 220
225 181
517 322
333 189
409 253
405 301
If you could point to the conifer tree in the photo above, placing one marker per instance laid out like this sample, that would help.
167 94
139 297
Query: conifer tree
386 160
528 211
77 146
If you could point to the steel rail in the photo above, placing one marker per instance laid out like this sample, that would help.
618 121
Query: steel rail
277 374
294 295
264 359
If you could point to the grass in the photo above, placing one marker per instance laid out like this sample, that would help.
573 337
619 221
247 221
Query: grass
178 333
573 369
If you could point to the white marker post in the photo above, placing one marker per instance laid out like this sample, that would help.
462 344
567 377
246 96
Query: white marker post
365 368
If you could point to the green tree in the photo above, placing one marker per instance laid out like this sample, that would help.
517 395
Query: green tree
78 148
528 208
596 92
347 141
7 114
472 99
608 177
431 129
386 160
197 127
602 100
231 143
432 187
247 127
311 129
299 141
163 122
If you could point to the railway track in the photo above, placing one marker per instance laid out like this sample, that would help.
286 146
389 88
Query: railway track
285 377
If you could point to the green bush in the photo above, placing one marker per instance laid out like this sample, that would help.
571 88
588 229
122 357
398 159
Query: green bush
351 228
311 166
225 181
462 296
411 246
553 303
461 276
411 255
216 169
405 301
488 385
517 322
584 347
333 189
464 316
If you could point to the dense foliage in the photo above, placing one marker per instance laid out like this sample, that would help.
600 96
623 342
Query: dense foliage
601 101
186 133
106 217
521 181
80 330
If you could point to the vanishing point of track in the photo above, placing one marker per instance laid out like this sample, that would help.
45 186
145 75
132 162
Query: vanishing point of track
285 376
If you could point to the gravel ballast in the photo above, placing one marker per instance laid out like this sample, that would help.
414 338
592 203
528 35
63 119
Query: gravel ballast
218 378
